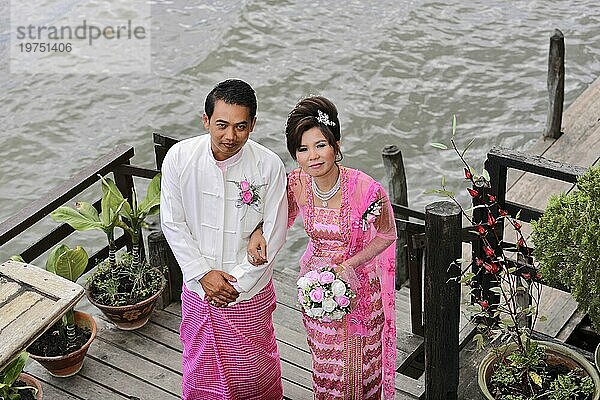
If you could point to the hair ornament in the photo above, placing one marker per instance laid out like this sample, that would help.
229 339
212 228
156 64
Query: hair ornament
323 118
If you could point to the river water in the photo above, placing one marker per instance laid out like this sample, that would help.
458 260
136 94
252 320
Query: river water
397 70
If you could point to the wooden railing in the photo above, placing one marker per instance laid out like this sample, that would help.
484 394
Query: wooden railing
116 162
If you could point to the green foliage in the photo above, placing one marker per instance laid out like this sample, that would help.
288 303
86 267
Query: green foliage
571 386
567 242
8 377
124 284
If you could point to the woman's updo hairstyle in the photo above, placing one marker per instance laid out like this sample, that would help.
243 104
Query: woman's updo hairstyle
314 111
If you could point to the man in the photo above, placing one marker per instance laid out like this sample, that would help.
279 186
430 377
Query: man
215 190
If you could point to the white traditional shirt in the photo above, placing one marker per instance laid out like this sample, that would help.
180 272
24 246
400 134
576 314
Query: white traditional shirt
204 221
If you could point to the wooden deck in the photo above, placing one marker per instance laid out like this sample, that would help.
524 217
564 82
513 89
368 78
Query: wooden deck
146 364
579 145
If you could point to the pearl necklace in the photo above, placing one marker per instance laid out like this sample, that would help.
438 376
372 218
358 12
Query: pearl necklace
326 196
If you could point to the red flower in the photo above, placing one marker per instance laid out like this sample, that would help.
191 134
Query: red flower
484 304
502 212
491 268
538 277
474 193
526 275
491 220
478 261
468 174
521 242
492 198
517 225
489 251
481 230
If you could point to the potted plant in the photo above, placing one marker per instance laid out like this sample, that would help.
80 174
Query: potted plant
517 367
124 289
567 244
62 348
17 385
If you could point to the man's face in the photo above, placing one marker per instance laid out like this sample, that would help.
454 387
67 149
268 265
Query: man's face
229 128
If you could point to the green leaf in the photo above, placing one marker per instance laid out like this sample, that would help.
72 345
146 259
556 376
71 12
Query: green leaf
75 219
440 146
53 256
443 180
485 174
468 146
71 264
11 372
17 258
496 289
116 197
453 125
535 378
87 210
149 205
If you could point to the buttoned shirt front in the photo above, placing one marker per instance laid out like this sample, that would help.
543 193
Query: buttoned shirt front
204 220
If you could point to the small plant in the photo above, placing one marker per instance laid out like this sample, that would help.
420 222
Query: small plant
567 242
501 280
8 378
127 280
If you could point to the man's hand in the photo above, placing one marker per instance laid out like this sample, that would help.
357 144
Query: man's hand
218 289
257 248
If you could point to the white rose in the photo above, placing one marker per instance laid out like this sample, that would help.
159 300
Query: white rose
338 287
329 304
309 312
317 312
303 282
337 314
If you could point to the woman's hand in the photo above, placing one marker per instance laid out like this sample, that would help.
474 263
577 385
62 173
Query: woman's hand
257 248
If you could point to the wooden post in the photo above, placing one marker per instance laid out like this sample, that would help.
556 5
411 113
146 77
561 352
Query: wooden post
160 255
442 300
556 85
395 179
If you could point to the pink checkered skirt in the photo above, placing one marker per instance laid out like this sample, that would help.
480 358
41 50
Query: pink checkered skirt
230 353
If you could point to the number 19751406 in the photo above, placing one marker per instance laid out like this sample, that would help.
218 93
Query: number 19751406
41 47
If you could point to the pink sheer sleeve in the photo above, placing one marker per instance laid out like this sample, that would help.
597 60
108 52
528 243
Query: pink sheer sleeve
292 193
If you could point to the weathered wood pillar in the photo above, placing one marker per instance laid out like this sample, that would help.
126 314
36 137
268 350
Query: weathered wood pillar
160 255
395 180
556 85
442 300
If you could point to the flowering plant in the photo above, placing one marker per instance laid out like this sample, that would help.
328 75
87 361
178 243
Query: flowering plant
248 194
324 295
371 213
505 288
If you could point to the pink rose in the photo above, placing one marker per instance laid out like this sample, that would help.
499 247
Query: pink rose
371 218
247 197
312 276
316 295
326 277
244 185
342 301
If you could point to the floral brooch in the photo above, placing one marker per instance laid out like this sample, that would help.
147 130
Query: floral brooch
248 194
371 213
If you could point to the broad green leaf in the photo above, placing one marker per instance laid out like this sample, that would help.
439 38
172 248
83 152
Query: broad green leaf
116 197
87 210
150 203
485 175
440 146
11 372
53 256
75 219
71 264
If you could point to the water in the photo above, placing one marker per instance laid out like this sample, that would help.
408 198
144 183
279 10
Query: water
397 70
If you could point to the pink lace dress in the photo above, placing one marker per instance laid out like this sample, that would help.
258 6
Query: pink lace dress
355 357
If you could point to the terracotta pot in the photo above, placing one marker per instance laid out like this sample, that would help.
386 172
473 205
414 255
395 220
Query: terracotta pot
129 317
557 355
70 364
31 381
597 358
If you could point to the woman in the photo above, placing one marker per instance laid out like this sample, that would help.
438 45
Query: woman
350 223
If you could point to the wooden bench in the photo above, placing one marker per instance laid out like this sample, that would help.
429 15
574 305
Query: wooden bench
31 300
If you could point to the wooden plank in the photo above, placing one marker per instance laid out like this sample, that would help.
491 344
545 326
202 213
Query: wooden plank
45 298
43 281
145 379
76 385
293 391
413 387
53 393
558 307
7 289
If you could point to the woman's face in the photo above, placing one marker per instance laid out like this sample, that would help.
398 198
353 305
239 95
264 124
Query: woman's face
315 155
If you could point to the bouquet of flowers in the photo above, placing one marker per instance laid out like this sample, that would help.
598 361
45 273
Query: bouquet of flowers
324 295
